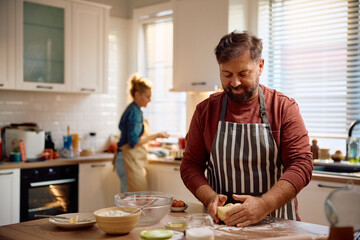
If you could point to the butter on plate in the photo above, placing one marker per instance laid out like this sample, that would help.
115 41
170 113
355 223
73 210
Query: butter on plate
74 220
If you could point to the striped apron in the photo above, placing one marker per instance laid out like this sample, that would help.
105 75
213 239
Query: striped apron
244 159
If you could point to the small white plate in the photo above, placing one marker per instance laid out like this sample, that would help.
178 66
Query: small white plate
179 209
64 223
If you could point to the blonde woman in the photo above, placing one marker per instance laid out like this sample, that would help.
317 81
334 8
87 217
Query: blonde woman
135 133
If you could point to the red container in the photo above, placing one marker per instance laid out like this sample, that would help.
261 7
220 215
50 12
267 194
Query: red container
181 143
22 151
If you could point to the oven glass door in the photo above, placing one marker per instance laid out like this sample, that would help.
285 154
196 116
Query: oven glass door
52 197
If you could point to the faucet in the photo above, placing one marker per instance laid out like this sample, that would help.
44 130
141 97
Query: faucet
349 143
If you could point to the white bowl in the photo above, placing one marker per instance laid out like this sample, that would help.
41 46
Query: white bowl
179 209
117 224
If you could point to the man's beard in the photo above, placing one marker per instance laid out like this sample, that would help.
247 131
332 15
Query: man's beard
241 97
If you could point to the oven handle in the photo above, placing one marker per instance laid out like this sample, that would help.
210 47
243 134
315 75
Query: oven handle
45 183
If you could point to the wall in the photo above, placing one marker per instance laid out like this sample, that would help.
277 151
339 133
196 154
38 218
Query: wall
83 113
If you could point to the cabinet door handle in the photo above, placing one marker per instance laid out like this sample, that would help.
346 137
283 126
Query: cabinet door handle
44 87
1 84
198 83
88 89
97 165
176 169
328 186
6 173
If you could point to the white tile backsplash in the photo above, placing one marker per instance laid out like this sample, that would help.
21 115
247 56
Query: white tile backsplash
54 112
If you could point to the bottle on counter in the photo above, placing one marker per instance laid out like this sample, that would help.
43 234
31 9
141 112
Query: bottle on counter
49 143
92 141
76 144
353 150
67 151
315 149
89 144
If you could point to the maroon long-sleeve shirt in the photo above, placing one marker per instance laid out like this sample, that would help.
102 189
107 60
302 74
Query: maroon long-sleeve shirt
287 127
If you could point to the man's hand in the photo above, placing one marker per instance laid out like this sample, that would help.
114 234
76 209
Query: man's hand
213 203
211 200
253 210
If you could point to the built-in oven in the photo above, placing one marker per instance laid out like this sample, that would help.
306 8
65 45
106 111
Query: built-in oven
48 190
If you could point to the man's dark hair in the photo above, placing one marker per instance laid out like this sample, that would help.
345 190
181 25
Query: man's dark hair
235 44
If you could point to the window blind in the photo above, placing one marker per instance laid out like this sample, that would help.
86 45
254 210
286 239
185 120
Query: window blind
312 54
167 110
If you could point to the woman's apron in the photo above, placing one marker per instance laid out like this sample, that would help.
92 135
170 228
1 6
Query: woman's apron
244 159
135 162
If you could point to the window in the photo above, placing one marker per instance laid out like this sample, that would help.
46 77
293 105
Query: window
312 53
167 110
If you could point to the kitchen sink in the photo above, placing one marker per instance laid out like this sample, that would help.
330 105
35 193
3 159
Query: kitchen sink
338 168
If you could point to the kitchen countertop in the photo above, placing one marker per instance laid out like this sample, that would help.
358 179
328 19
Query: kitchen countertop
59 162
322 176
76 160
341 177
269 228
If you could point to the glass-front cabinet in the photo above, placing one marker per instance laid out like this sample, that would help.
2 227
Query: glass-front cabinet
44 45
7 44
53 45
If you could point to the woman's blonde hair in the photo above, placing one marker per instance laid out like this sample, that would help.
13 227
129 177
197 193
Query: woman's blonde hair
138 84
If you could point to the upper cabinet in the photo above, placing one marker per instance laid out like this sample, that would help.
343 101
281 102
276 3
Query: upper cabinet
196 33
43 30
7 44
89 45
61 45
198 28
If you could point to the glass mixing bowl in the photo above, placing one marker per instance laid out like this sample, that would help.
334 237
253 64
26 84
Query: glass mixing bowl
151 214
341 207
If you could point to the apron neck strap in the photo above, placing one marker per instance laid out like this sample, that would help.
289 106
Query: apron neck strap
223 108
263 112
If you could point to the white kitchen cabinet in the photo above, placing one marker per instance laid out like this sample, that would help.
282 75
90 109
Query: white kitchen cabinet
89 35
312 198
7 44
60 46
166 178
43 45
196 34
10 196
98 184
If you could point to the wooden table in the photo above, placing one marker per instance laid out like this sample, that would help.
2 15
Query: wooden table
269 228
